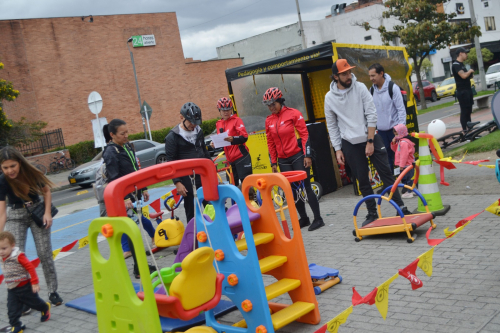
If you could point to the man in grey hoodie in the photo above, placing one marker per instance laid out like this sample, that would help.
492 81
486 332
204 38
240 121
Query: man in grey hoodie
390 111
351 118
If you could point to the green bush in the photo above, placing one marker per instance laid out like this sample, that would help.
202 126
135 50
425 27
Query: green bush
83 152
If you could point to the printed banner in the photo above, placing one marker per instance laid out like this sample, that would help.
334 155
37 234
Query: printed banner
494 208
333 325
145 212
409 273
425 262
382 298
83 242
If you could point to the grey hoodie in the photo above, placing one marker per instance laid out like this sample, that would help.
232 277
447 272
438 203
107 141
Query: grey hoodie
390 112
349 113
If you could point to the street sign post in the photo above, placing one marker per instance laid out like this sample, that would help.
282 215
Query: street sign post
95 106
146 112
143 40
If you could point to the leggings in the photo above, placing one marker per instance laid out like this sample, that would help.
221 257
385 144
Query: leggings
296 163
18 223
148 226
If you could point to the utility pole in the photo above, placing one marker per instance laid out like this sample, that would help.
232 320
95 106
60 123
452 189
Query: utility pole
137 86
479 55
301 31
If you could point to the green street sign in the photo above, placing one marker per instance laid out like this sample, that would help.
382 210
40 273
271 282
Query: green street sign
143 40
146 108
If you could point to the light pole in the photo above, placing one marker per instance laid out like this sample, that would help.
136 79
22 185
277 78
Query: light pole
136 85
477 45
304 46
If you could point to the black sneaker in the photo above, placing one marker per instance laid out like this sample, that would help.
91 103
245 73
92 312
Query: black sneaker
152 269
304 222
317 223
18 329
55 299
26 310
405 210
370 218
45 314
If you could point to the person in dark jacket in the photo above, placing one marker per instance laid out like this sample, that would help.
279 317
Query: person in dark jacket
120 161
186 141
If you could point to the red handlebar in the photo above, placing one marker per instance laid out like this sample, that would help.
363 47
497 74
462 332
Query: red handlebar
117 189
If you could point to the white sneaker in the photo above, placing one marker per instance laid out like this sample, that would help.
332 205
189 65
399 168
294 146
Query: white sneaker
407 195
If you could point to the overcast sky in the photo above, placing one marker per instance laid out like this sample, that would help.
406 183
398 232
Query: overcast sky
203 24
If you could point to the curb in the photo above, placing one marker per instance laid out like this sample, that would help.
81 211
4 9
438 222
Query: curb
60 188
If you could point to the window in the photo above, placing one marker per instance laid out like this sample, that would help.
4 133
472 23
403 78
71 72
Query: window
489 23
425 83
368 37
141 145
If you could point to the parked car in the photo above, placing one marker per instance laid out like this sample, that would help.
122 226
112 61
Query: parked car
493 74
148 152
208 141
429 91
448 87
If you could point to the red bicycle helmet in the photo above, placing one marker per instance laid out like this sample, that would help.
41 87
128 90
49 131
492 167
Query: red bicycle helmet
271 95
224 104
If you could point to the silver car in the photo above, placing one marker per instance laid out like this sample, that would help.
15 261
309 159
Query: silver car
149 153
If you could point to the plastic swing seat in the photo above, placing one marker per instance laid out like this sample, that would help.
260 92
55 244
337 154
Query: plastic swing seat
190 291
394 224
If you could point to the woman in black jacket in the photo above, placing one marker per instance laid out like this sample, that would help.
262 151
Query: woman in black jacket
120 160
186 141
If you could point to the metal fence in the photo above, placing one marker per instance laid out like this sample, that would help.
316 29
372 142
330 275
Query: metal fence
50 140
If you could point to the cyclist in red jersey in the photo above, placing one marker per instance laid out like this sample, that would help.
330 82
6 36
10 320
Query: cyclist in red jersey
285 150
237 153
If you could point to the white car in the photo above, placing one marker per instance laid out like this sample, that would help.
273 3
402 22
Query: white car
493 74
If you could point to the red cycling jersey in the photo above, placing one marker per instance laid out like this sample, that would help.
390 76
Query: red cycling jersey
280 132
234 127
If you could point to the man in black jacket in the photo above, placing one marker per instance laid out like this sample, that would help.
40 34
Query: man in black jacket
186 141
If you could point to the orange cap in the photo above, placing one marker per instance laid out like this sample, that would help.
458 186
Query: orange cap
341 66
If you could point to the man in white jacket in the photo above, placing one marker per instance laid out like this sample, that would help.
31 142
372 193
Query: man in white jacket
351 118
391 110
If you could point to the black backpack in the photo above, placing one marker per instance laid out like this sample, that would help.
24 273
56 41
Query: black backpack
391 85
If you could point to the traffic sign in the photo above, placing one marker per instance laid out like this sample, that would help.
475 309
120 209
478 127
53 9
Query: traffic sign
146 107
95 102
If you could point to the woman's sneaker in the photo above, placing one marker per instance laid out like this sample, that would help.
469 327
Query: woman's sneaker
45 314
55 298
407 195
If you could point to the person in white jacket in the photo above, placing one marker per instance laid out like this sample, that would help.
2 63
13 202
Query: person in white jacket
391 111
351 118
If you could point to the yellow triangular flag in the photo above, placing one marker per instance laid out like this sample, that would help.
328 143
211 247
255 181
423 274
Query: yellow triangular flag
333 325
55 253
425 262
494 208
163 197
451 234
382 298
83 242
145 212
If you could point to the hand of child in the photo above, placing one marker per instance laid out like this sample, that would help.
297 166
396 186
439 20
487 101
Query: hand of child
393 140
35 288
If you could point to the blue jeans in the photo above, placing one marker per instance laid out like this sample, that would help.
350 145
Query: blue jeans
387 137
407 180
148 226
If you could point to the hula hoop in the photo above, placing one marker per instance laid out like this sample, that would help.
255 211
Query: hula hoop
294 176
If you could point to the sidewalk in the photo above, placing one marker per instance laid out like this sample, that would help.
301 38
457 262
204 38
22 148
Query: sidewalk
60 180
461 296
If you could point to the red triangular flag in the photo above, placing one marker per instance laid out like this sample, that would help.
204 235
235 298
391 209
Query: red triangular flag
1 279
35 262
322 329
368 299
409 273
432 242
156 205
69 246
475 162
467 219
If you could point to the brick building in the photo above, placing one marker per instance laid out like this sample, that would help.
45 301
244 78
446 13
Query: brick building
56 62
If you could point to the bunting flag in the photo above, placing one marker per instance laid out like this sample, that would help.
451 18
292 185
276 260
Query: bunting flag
156 205
382 298
494 208
489 166
425 262
368 299
450 234
83 242
466 220
1 279
55 253
145 212
69 246
333 325
409 273
432 242
475 162
35 262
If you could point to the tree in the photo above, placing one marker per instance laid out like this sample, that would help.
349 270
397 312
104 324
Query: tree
472 58
422 30
16 133
424 68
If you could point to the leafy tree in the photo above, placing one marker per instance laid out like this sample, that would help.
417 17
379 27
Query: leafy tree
472 58
422 30
426 66
16 133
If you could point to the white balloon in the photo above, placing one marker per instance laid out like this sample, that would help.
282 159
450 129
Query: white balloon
436 128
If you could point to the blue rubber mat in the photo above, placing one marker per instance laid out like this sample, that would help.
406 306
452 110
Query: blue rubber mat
87 303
